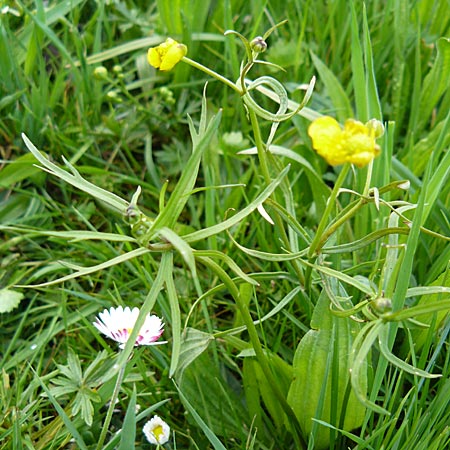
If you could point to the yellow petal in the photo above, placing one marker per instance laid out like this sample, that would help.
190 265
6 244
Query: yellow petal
153 57
353 127
173 56
355 143
324 132
326 135
166 55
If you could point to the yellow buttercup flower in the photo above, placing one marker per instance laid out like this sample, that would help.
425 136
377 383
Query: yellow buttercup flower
166 55
355 143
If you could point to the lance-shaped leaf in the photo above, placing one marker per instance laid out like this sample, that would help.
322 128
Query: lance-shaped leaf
180 195
76 180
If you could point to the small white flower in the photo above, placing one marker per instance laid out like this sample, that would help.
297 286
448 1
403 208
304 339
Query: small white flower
156 431
118 323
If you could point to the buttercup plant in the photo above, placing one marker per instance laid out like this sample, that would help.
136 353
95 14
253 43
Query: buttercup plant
353 144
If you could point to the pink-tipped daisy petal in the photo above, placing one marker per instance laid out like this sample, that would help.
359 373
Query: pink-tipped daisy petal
118 323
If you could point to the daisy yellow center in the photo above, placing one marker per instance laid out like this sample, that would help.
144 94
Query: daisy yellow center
158 432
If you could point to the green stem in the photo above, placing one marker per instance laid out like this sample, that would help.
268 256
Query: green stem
260 146
314 247
111 407
240 296
334 226
213 74
368 179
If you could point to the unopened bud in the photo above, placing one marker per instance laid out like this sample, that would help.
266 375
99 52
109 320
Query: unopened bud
258 45
382 304
376 126
100 73
118 71
113 96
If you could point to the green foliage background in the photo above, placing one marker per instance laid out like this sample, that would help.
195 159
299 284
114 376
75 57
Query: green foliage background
384 59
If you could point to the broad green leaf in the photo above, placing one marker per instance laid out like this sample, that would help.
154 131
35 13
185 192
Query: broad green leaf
193 344
20 169
207 386
316 391
9 300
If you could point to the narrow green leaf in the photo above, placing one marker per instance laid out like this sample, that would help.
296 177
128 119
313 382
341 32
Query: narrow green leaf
212 438
358 360
184 250
343 277
88 270
175 317
73 236
215 229
365 241
358 73
436 82
180 195
128 434
402 365
373 101
76 180
338 97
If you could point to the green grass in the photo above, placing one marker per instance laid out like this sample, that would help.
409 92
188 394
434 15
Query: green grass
236 293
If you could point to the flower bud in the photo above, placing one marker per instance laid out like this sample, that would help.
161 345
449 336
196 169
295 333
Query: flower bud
258 45
113 97
100 73
118 71
167 95
376 127
382 304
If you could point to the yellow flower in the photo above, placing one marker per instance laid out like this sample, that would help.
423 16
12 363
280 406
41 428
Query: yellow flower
355 143
166 55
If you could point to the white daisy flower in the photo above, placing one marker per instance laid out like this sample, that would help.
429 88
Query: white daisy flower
118 323
156 431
